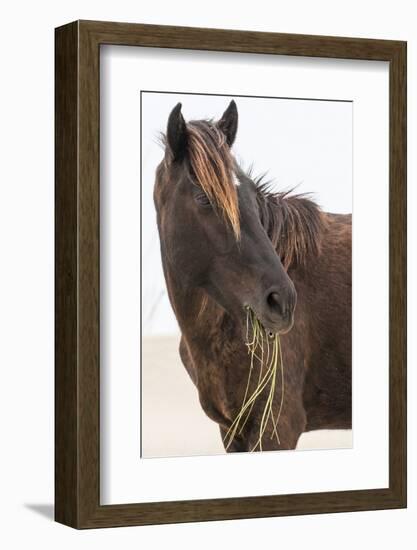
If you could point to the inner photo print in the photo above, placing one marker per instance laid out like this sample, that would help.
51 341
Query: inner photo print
246 255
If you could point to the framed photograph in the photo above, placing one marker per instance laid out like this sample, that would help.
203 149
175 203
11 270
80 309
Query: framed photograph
230 274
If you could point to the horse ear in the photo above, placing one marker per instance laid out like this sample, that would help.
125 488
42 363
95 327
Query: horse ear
228 123
177 133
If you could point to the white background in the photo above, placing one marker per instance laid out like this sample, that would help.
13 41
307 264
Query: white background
124 72
26 295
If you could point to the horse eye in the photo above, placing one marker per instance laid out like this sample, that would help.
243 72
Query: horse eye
202 199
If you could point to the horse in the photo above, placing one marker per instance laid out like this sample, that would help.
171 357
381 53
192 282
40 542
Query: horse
229 244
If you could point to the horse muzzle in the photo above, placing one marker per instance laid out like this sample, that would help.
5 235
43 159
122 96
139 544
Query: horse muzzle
276 312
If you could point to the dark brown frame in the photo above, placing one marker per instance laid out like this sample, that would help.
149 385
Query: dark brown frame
77 372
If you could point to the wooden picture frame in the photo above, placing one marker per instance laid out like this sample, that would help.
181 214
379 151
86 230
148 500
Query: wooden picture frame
77 373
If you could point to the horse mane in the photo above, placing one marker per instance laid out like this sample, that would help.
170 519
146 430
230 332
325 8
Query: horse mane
212 164
294 223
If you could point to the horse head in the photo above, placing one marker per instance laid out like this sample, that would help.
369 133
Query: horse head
212 234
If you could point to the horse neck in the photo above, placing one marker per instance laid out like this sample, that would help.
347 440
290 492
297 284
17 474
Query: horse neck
295 226
210 343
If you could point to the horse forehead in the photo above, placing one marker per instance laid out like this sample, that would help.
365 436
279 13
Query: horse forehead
236 180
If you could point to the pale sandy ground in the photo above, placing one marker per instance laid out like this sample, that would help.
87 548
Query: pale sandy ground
173 421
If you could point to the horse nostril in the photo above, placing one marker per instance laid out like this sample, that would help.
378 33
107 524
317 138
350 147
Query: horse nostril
279 304
274 302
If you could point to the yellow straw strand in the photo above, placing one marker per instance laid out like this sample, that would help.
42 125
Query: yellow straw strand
268 366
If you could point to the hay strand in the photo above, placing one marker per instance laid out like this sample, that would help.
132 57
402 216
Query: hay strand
270 361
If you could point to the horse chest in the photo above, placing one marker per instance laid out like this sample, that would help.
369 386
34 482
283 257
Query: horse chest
218 379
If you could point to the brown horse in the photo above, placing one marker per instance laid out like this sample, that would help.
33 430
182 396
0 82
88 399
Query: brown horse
229 244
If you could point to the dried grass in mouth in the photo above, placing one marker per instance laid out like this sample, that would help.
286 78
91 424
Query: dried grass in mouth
268 353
